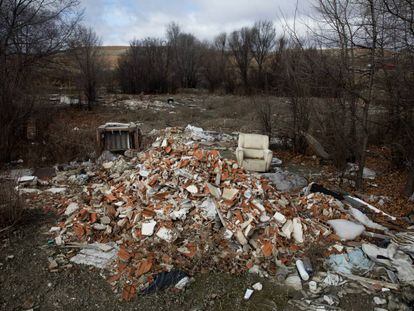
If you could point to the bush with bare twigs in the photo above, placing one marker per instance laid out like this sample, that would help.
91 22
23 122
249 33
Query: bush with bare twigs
11 205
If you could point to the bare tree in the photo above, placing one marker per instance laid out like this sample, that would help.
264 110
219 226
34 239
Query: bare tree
399 83
145 67
186 52
352 26
86 52
30 33
262 43
215 62
298 90
240 45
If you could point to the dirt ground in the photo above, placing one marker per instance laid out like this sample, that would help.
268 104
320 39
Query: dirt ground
27 283
68 133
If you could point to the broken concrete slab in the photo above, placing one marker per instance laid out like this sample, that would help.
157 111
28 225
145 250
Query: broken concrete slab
56 190
166 234
147 228
209 209
215 192
316 146
72 207
16 173
367 173
30 190
26 179
229 194
192 189
94 255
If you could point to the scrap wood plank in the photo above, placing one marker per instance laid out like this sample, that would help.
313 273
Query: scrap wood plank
371 281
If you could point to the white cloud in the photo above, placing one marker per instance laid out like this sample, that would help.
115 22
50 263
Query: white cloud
119 21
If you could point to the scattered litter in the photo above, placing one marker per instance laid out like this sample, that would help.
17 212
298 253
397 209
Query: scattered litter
297 230
294 282
208 208
353 262
30 191
301 269
182 283
330 300
164 280
392 258
280 218
257 286
248 294
333 279
313 287
230 194
276 162
192 189
379 301
281 274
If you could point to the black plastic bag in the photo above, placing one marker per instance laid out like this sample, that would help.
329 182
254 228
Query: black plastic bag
164 280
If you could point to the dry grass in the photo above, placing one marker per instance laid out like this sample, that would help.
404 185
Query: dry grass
66 143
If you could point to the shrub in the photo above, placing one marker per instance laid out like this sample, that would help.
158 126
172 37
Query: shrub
11 205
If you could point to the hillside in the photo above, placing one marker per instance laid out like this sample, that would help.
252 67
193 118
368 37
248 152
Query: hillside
111 54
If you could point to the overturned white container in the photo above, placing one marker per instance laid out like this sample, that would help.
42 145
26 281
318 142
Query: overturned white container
301 269
248 294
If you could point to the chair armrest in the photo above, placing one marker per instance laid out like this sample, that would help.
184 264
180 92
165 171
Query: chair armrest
239 155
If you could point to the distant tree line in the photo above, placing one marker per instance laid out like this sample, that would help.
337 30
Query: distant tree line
357 58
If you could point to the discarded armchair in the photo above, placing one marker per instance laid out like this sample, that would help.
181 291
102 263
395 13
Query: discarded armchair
253 152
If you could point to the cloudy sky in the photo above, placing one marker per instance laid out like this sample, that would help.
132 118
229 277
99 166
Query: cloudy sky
119 21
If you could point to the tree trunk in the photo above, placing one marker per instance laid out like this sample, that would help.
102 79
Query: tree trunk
362 157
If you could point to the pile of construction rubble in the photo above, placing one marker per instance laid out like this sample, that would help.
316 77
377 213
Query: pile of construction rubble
180 206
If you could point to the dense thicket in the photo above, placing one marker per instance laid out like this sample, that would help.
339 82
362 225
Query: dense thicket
31 32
